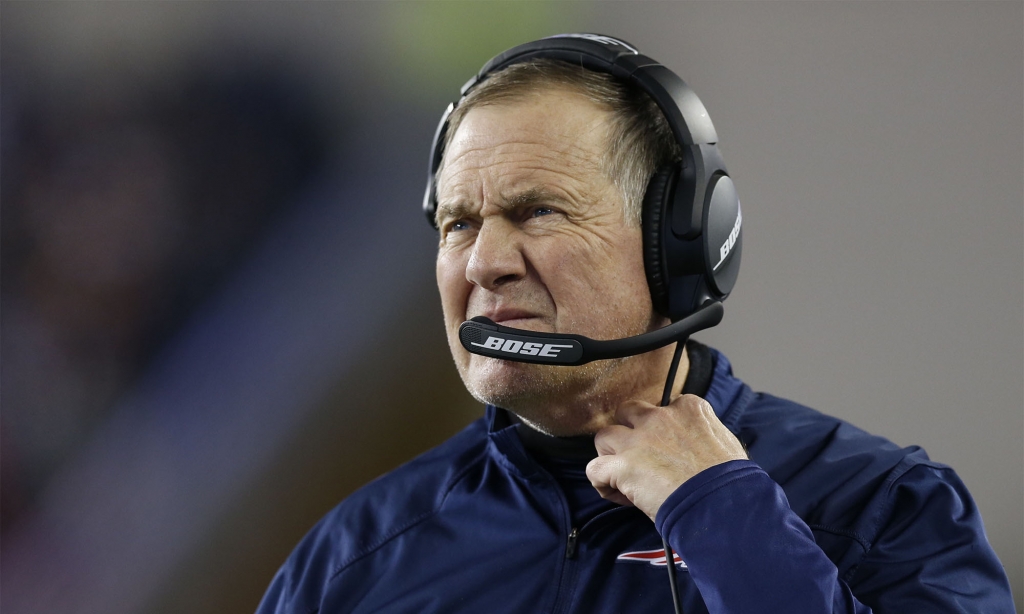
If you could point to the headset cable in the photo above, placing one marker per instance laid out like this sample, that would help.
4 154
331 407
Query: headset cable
670 562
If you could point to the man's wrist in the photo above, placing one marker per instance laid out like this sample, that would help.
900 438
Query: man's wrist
698 487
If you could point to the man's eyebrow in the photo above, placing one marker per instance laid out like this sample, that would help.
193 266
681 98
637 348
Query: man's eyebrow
531 197
454 210
460 209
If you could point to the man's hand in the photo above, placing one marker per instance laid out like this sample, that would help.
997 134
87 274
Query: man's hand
652 450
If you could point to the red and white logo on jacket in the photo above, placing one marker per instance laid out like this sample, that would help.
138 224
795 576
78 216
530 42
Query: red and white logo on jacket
654 557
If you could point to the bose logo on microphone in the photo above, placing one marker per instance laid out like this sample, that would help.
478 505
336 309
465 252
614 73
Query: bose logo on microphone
723 251
511 346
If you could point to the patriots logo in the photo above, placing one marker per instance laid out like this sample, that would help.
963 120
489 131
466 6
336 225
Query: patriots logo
654 557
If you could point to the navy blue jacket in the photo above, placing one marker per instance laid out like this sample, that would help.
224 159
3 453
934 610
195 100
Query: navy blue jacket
823 518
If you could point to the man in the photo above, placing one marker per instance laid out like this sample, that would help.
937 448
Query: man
558 499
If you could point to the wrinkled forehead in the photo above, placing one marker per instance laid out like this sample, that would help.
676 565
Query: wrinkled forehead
556 129
524 92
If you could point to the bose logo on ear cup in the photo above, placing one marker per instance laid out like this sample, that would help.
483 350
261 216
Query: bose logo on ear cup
511 346
731 240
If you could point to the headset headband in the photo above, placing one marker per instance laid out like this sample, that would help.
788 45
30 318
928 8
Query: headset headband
683 110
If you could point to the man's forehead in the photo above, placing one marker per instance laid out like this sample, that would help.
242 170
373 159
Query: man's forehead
556 126
552 111
530 141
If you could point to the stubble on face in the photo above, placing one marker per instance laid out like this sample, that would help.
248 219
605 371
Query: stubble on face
558 400
569 263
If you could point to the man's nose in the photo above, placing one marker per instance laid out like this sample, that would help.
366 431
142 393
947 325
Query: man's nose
497 256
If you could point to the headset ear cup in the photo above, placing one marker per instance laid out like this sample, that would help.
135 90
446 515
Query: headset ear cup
724 235
654 212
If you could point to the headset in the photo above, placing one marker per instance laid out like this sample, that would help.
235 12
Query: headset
691 218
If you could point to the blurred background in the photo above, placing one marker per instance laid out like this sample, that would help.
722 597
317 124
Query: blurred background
213 249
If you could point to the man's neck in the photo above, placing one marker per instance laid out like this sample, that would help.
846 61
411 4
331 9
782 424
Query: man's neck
696 367
586 414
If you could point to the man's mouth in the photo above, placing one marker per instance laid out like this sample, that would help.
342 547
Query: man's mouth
513 318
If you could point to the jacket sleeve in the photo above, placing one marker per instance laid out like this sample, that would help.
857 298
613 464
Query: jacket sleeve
747 551
274 601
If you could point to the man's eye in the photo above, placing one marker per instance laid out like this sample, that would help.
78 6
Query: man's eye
541 211
456 226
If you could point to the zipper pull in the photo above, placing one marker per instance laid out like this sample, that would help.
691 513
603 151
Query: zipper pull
570 546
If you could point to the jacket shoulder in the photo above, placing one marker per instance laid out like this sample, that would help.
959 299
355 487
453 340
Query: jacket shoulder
790 439
370 517
837 477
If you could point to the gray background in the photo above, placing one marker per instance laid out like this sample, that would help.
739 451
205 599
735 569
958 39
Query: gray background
878 149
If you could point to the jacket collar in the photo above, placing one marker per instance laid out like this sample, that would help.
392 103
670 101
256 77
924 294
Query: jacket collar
727 395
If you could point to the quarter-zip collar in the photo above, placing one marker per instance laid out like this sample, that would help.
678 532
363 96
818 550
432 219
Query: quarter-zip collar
710 376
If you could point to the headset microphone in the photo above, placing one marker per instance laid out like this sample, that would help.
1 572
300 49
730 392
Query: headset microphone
482 336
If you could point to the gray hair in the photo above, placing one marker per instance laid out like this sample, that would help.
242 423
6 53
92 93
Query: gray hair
640 139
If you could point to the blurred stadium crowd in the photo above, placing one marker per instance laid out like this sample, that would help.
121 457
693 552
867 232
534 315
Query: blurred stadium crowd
122 209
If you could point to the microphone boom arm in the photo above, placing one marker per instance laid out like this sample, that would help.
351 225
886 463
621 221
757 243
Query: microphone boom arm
482 336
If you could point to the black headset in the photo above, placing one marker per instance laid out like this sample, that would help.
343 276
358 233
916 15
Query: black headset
691 219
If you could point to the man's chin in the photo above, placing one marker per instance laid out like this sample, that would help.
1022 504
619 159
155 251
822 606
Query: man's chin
506 383
527 389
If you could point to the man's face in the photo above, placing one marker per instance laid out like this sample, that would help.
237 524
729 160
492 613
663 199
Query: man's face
533 236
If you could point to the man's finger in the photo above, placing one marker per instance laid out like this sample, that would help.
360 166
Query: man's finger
610 439
614 496
694 407
603 473
632 413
